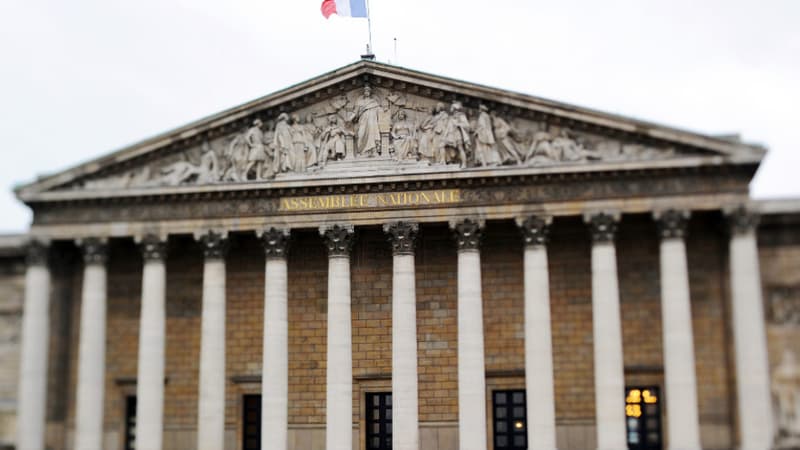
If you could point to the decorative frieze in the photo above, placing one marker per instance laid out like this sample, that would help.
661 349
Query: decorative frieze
215 244
672 223
535 229
602 226
36 253
402 236
153 247
95 250
338 239
468 233
275 242
741 220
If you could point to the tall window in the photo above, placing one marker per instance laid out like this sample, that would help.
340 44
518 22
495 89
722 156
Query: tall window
251 420
510 422
130 422
378 408
643 417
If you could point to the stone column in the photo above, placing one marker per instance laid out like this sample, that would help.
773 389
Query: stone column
152 329
275 372
749 335
31 419
538 340
609 377
92 348
405 418
211 399
339 375
676 320
471 368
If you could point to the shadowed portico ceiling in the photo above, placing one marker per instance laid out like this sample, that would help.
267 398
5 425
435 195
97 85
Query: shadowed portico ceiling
373 123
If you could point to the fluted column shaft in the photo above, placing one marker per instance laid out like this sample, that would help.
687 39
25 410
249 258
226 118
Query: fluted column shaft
609 377
676 320
31 418
152 343
275 372
211 399
749 336
91 349
339 373
471 367
541 408
405 418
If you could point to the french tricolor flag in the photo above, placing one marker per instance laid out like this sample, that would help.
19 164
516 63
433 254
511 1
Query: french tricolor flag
345 8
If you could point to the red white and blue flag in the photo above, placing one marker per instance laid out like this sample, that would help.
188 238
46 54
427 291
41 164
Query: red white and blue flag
345 8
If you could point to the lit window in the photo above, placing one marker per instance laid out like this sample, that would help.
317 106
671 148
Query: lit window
510 422
643 418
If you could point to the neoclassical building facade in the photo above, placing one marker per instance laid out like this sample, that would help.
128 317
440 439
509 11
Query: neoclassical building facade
381 258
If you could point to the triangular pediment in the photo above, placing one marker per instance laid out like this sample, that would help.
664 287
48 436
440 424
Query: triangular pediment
370 119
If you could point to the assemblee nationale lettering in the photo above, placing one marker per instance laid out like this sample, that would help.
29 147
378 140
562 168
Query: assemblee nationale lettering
371 200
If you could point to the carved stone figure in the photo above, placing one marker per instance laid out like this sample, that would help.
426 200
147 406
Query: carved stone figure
432 131
541 150
457 140
395 102
786 389
236 156
282 143
331 144
506 146
365 118
301 145
181 172
485 151
311 132
404 138
256 151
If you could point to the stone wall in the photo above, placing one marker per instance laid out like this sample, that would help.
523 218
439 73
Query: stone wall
12 291
570 281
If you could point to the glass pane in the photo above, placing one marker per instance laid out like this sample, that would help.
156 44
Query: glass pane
519 412
376 414
389 400
389 428
652 438
652 423
376 400
501 441
633 437
519 441
500 397
518 398
376 442
389 413
633 424
651 409
500 413
376 428
500 426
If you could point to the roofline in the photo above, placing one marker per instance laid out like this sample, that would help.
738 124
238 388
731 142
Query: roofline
778 206
539 104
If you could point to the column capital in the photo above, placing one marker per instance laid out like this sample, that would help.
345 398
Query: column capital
36 252
741 220
535 229
153 247
95 250
468 233
402 236
602 225
672 223
275 241
215 244
338 239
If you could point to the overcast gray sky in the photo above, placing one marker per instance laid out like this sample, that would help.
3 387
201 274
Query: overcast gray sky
81 78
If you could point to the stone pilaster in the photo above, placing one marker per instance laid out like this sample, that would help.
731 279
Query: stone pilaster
211 398
275 370
32 400
89 411
339 373
539 377
609 378
405 398
152 343
756 427
676 318
471 367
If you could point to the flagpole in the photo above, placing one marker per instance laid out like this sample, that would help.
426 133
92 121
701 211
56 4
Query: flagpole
370 50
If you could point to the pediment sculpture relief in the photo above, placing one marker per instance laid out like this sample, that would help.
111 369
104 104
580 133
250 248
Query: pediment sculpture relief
381 129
